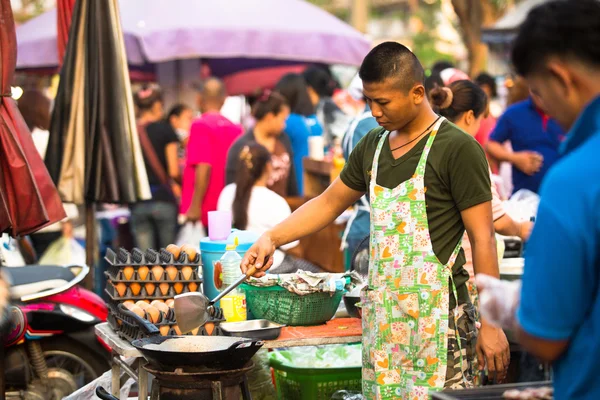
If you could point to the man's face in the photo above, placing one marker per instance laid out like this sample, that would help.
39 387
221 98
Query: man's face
391 105
556 95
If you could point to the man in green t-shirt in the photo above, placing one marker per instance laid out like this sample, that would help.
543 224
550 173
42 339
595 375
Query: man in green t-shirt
427 182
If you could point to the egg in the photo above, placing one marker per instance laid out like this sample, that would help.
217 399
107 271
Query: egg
154 315
193 287
158 272
128 304
121 289
142 304
164 330
177 330
171 272
187 273
209 327
135 288
170 303
178 287
195 331
128 273
138 311
143 272
190 251
160 306
150 288
164 288
175 250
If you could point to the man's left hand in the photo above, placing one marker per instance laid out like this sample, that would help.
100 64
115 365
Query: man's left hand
493 352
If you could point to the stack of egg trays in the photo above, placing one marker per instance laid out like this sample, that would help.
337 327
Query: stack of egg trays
150 258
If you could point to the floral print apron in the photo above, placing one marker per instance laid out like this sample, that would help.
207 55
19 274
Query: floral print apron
406 304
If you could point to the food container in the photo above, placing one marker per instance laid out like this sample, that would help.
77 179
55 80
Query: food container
494 392
256 329
511 268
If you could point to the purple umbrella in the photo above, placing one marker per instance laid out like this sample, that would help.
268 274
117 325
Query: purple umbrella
157 31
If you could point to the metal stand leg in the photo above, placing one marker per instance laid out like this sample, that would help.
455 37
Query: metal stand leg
217 393
154 392
115 388
245 390
142 381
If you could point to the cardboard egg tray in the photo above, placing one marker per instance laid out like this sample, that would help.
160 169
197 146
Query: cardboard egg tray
150 275
131 326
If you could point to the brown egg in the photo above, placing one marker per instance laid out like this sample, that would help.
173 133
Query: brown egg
121 289
140 313
210 327
135 288
170 303
128 304
150 287
175 250
154 315
178 287
164 330
145 301
128 273
190 251
143 272
177 330
159 305
187 273
195 331
164 288
142 304
193 287
171 272
158 272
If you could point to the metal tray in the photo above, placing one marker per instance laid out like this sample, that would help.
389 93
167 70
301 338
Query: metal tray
256 329
494 392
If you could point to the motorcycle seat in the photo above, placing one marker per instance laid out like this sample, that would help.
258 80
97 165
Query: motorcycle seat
30 280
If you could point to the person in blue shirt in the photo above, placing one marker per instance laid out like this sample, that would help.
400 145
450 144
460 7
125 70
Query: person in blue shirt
534 138
558 318
302 121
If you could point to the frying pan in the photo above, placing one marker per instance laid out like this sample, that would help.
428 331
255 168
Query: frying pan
199 352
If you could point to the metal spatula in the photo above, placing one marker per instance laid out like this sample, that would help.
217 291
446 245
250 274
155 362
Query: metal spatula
195 309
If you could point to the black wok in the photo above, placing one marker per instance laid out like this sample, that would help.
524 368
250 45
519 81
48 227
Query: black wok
198 352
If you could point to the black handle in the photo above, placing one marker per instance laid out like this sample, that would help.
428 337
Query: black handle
247 343
149 328
104 395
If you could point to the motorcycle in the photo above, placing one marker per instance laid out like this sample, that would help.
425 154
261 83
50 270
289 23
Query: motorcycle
51 348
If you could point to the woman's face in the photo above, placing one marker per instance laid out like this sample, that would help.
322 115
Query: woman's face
183 122
469 123
157 110
277 121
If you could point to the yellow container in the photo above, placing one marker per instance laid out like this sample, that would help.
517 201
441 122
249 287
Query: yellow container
234 307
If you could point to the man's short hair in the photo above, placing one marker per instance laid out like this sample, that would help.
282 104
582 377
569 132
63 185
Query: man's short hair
392 60
566 29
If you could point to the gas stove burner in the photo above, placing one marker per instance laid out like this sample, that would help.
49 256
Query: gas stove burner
187 383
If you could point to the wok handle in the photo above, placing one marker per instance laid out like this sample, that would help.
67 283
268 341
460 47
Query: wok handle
104 395
146 326
247 343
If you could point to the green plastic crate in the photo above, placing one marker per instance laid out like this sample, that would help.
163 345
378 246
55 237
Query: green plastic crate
277 304
294 383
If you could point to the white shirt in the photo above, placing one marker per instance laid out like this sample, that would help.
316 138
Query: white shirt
265 210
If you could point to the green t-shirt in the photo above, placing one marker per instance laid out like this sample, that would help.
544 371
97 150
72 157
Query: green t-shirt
456 178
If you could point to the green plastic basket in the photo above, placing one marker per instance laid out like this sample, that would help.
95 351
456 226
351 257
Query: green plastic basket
277 304
313 383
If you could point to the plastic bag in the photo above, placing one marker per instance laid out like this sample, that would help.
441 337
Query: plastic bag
64 251
259 378
10 253
522 205
498 300
347 395
321 356
88 392
190 233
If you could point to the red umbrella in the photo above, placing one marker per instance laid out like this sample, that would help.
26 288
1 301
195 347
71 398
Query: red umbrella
29 199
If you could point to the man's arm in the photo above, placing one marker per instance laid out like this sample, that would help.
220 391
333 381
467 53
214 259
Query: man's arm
311 217
529 162
200 185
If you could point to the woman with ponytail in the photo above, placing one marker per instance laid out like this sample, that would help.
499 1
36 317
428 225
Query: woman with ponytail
255 207
465 104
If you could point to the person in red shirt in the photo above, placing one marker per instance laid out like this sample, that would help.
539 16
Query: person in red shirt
210 138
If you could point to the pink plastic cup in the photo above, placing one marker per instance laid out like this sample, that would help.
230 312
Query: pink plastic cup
219 225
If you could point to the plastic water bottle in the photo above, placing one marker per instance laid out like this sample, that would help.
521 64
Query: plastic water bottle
234 304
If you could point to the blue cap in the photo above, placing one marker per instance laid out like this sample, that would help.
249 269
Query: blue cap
245 238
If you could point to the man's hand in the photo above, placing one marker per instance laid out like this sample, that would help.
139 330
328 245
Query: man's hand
525 229
67 229
493 352
193 214
260 255
528 162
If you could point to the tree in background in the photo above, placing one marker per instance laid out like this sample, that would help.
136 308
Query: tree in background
24 10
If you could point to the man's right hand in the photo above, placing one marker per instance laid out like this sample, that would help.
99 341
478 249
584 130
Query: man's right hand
260 251
193 214
528 162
